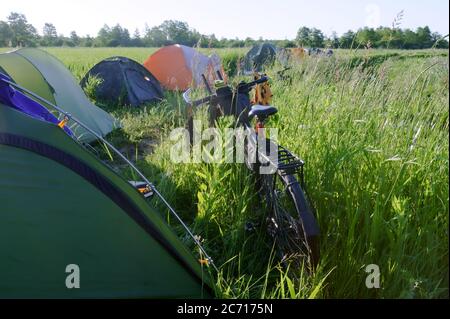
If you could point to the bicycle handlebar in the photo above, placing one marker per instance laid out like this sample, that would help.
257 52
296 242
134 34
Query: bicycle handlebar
249 85
186 97
240 87
201 101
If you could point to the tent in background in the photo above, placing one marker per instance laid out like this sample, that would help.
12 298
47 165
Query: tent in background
46 76
178 67
61 206
294 55
259 56
124 82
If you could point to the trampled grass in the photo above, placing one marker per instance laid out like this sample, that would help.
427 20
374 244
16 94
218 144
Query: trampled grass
374 135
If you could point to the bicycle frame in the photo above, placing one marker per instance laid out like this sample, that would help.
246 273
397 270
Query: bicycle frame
281 168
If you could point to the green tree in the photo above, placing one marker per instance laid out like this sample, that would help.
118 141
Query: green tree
303 37
316 38
249 42
410 40
384 37
155 37
333 41
119 37
64 41
367 37
194 38
75 38
104 32
103 36
208 41
439 41
87 41
233 43
176 32
136 40
113 37
346 41
50 36
424 37
286 44
397 39
22 33
5 34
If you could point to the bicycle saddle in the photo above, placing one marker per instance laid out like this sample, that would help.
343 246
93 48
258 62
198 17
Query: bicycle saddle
262 111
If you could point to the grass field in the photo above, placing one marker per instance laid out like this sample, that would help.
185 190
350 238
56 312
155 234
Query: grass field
372 127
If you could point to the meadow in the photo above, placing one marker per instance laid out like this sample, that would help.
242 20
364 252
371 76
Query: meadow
372 127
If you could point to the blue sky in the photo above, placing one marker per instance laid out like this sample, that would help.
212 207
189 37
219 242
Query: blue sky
232 18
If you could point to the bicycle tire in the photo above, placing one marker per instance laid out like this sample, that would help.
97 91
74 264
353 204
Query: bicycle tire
297 234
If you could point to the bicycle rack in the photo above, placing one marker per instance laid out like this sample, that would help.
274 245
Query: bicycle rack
289 164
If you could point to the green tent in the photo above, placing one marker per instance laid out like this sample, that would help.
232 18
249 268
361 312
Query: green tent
59 206
46 76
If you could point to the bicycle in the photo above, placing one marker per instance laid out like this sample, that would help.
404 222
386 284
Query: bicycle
291 221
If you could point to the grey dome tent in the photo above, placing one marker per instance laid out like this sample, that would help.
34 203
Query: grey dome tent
124 82
259 56
46 76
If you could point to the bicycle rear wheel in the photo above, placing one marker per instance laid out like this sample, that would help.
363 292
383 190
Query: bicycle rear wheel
291 221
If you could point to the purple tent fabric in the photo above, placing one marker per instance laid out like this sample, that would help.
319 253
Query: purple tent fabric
19 101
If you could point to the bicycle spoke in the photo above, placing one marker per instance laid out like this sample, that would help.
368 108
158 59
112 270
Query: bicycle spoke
284 225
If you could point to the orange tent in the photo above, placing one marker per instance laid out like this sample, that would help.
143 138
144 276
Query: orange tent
178 67
298 53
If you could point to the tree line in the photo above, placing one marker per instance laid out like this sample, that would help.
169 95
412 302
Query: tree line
382 37
17 32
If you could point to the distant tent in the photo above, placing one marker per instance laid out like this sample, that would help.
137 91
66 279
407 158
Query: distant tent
259 56
297 53
288 55
61 206
46 76
320 52
178 67
125 82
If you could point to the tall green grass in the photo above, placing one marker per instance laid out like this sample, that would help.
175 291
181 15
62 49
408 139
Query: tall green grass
375 141
374 134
